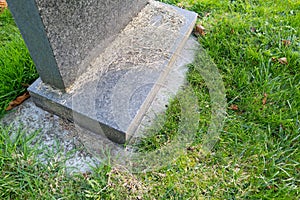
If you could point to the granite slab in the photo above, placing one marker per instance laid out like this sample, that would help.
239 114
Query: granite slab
63 36
113 94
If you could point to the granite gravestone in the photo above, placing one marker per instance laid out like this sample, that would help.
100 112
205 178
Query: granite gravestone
63 35
101 63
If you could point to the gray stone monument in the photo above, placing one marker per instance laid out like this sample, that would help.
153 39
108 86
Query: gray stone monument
101 62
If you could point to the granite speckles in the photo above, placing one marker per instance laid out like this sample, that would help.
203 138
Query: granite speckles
120 84
143 43
77 28
110 64
27 17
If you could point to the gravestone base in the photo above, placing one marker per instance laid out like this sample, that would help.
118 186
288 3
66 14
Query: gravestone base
112 95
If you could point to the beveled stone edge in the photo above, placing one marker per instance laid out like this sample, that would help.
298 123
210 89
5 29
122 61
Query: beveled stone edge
191 18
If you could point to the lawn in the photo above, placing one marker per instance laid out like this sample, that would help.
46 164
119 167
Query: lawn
16 67
255 46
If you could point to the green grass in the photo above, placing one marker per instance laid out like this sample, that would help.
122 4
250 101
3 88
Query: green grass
257 155
25 177
16 67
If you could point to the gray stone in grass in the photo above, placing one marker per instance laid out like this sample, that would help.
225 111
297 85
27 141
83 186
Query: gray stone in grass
90 149
106 90
63 36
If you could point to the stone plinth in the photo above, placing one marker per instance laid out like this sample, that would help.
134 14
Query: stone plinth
108 80
63 36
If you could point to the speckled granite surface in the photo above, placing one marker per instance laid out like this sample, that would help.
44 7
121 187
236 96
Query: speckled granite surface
63 36
111 73
120 84
89 148
77 30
